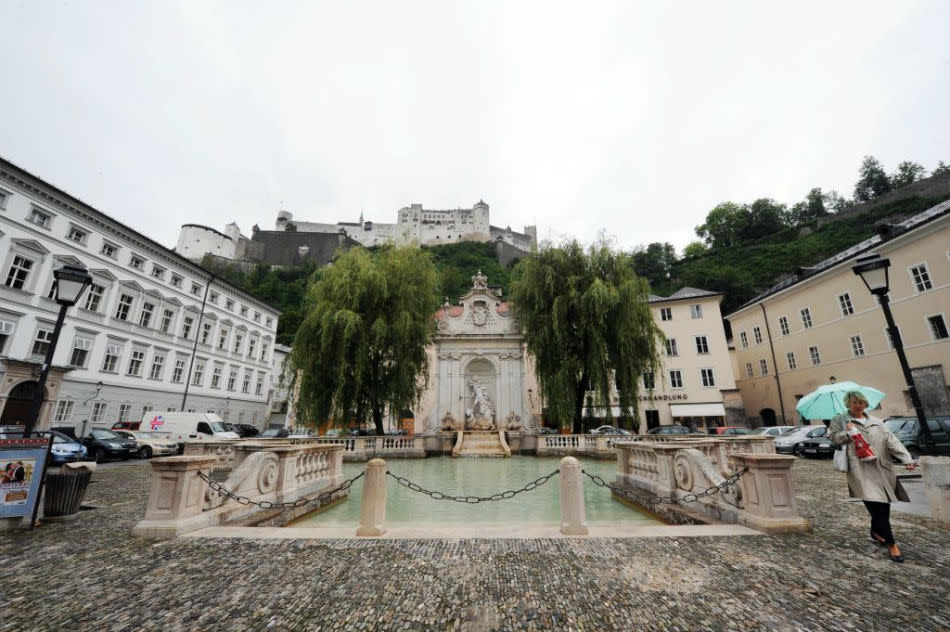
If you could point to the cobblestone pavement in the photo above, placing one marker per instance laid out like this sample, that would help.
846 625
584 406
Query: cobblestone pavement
91 574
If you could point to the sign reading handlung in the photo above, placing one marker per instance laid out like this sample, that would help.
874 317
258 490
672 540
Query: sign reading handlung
21 471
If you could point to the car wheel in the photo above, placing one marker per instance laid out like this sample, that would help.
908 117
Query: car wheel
796 451
145 452
914 452
98 455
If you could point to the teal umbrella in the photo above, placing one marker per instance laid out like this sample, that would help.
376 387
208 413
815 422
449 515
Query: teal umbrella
827 401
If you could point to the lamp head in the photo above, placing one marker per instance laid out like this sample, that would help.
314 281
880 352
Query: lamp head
71 282
873 271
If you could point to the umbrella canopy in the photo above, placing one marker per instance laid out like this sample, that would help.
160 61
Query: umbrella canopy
827 401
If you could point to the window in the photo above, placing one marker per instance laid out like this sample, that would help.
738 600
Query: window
246 384
815 355
844 300
3 198
195 289
124 413
264 349
671 347
146 409
177 280
790 358
232 378
701 345
763 367
51 295
64 409
921 277
135 363
206 330
938 328
707 376
94 297
158 367
109 250
19 272
648 381
666 313
76 235
38 217
748 369
676 379
198 377
148 309
696 311
136 262
223 338
186 325
42 342
158 272
806 317
244 310
743 339
890 337
269 321
229 304
216 377
213 297
238 343
857 347
98 412
80 354
124 307
757 335
6 332
257 317
178 371
111 359
259 387
167 317
783 325
251 347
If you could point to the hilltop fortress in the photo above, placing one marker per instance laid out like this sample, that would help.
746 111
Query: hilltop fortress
292 242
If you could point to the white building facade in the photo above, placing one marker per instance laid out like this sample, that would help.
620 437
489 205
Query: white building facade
152 325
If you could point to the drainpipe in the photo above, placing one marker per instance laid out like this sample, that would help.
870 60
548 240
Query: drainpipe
778 383
194 348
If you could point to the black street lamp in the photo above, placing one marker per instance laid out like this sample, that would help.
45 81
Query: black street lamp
873 271
71 282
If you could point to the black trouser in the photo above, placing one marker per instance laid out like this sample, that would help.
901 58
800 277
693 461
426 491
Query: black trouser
881 520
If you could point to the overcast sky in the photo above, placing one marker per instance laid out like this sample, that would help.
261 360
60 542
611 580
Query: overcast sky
634 118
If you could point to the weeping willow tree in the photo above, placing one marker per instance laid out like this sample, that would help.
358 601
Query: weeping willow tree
586 319
360 351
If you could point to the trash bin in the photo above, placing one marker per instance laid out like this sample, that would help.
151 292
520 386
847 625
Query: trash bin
64 492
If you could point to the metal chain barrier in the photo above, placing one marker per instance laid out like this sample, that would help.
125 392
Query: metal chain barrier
266 504
645 498
472 500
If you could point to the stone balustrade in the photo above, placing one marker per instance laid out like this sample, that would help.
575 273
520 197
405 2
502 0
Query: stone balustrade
366 448
181 501
221 449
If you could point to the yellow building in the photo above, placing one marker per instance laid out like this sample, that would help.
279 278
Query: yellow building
823 325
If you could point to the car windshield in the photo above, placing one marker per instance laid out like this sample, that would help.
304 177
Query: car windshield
218 426
59 438
104 434
901 424
792 431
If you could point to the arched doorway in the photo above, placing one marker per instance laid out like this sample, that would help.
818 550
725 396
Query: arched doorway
19 401
768 416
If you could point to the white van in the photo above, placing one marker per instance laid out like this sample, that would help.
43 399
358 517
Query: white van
184 427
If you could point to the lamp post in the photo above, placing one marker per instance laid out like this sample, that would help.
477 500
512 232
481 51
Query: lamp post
873 271
71 282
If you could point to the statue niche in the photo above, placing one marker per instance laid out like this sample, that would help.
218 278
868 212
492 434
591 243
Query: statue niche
481 416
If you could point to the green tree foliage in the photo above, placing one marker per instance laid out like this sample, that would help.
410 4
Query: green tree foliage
808 210
695 249
873 182
940 169
724 225
765 217
361 348
908 172
655 263
456 263
585 317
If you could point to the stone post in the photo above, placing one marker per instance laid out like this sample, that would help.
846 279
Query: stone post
768 493
176 497
373 504
573 512
936 474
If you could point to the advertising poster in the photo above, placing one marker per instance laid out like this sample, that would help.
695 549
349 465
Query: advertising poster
21 468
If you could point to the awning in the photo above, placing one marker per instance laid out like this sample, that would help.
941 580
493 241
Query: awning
698 410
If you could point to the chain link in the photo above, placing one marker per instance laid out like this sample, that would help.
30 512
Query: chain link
266 504
473 500
647 499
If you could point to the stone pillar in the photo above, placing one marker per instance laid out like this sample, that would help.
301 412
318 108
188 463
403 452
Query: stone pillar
936 474
768 493
177 496
373 504
573 512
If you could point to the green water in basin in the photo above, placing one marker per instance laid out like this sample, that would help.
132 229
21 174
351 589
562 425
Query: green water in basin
479 477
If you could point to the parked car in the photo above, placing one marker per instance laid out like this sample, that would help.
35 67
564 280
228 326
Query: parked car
818 445
669 430
150 444
274 433
787 442
65 449
126 425
333 432
546 430
907 430
362 432
609 430
302 433
731 431
245 430
772 431
104 444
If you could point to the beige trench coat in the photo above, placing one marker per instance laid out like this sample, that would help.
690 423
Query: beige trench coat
875 481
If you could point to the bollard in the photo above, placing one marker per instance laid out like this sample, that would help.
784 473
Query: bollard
573 513
373 503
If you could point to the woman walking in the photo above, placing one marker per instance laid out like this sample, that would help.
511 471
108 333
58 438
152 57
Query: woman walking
875 481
